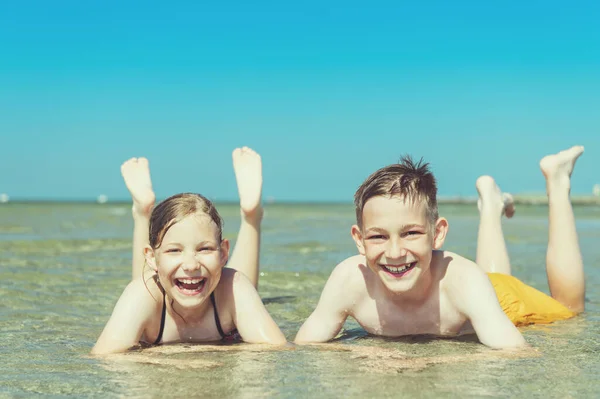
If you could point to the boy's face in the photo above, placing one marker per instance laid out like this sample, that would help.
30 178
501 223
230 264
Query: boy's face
397 240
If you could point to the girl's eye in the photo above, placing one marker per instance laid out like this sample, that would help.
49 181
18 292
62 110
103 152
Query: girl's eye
173 250
205 249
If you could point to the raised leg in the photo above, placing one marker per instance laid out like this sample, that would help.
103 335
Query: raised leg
247 166
136 173
564 264
492 255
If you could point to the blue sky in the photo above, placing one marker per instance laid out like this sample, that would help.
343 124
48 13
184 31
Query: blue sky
327 92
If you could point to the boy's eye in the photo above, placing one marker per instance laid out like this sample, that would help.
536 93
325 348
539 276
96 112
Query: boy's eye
205 249
172 250
412 233
376 237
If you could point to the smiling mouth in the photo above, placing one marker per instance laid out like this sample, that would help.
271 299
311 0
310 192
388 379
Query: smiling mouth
399 271
190 286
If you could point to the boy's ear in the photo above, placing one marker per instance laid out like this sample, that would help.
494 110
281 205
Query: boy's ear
224 251
441 229
358 239
150 258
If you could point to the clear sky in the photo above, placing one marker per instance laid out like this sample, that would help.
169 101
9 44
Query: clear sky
326 91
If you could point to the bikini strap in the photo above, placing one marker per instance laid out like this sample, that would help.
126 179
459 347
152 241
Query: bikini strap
162 320
217 321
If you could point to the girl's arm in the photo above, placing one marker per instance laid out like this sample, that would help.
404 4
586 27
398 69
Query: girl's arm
253 321
128 320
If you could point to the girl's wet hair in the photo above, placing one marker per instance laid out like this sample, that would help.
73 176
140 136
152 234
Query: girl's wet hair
176 208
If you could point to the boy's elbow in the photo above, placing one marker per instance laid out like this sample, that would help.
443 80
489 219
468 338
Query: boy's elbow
301 339
304 337
518 342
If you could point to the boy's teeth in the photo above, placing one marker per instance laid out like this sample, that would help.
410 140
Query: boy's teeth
398 269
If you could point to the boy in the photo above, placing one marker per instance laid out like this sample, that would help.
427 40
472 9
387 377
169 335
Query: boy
403 284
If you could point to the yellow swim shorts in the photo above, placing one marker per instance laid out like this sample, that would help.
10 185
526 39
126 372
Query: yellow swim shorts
524 304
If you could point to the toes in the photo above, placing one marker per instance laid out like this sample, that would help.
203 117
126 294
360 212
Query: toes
242 151
509 205
133 164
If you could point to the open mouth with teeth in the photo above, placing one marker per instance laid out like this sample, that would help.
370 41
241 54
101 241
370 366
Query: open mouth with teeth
190 286
398 271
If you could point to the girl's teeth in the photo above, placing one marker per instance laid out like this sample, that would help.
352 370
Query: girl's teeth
190 281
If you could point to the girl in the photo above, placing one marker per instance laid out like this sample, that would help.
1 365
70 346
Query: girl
186 294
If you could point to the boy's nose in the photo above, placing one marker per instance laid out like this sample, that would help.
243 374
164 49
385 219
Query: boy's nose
396 250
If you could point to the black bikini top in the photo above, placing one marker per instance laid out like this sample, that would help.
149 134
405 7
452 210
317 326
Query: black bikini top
229 337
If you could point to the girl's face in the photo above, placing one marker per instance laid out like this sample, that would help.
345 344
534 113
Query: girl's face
190 259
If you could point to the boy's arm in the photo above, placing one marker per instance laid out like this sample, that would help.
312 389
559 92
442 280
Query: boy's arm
253 321
475 297
127 322
328 318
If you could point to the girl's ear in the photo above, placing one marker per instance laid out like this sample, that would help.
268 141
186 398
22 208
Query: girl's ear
224 251
150 258
358 239
441 229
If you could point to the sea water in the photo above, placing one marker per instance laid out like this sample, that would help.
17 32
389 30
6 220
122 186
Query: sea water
64 265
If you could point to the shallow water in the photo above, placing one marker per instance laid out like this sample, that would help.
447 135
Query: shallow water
63 266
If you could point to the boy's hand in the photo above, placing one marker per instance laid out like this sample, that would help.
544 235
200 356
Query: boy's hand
328 318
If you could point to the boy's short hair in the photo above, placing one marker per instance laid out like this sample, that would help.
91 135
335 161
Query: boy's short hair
407 179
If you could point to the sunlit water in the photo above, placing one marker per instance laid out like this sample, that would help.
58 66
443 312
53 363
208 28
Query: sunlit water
63 266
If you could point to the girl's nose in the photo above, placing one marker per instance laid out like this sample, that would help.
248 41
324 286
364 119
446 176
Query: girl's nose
190 262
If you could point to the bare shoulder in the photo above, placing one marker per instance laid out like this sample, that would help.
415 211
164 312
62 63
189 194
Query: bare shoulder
234 285
231 280
144 293
455 267
463 279
349 270
349 278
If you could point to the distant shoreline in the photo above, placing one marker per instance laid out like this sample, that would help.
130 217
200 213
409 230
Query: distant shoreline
525 199
522 199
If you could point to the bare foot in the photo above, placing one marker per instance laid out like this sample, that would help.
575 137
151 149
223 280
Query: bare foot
557 168
247 166
490 197
509 205
136 174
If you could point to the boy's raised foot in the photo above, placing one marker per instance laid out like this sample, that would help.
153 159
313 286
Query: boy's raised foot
491 198
557 168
